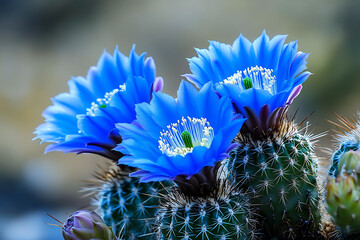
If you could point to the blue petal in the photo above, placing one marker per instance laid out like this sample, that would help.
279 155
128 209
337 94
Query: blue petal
202 68
163 106
242 53
132 136
97 127
261 47
151 178
221 55
301 78
299 64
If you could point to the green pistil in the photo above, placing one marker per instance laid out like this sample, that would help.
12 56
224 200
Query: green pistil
247 83
102 106
186 137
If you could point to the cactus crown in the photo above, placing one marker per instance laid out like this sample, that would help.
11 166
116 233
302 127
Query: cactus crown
219 189
273 126
203 184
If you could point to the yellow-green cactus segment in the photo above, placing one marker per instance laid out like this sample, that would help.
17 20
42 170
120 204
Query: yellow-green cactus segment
350 163
343 201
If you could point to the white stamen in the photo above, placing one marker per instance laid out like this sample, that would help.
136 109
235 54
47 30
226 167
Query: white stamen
261 78
103 102
172 144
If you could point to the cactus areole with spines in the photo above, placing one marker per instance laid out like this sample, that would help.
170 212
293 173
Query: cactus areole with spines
224 214
127 205
279 169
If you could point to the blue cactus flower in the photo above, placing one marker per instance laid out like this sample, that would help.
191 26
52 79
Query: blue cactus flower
173 137
83 119
265 72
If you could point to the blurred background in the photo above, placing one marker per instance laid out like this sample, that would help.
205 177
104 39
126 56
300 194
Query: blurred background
43 43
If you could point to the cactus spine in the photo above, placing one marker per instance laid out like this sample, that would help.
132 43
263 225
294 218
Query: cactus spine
127 205
213 218
221 217
279 169
205 206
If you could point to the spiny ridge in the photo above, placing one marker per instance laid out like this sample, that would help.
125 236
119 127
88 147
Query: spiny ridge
281 174
126 205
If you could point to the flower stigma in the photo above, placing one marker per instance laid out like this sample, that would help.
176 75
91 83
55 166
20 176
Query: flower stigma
181 137
103 102
186 137
253 77
247 83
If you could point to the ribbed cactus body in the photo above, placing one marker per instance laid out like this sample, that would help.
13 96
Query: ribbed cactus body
210 218
130 206
280 174
126 205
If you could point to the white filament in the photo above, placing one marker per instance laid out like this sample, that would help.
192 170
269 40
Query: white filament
171 143
105 100
261 78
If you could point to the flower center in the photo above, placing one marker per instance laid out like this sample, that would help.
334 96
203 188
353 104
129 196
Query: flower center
254 77
103 102
181 137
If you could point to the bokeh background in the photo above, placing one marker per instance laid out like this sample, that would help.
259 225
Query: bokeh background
43 43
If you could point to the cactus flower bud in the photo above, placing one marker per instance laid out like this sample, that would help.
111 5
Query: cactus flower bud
86 225
343 203
350 162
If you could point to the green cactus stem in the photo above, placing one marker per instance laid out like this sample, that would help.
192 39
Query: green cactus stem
227 216
127 205
343 201
278 167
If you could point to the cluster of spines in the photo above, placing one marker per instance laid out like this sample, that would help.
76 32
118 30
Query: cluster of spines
127 205
182 217
349 140
280 172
